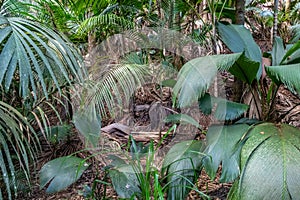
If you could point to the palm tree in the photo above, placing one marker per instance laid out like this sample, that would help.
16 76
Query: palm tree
36 62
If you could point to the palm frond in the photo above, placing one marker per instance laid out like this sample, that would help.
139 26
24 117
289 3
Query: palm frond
29 50
17 149
103 20
286 74
116 86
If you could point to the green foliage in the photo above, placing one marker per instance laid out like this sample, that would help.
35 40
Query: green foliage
58 133
88 123
286 74
114 87
36 54
182 118
262 153
18 146
124 179
278 51
239 39
225 110
196 76
223 148
270 155
61 172
134 178
181 167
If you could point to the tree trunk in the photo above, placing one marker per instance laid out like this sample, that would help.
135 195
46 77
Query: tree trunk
275 20
239 19
240 12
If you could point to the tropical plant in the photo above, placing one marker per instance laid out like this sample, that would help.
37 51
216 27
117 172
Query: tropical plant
250 151
36 64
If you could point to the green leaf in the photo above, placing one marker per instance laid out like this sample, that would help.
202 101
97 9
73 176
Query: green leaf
225 110
58 133
125 181
270 155
206 103
245 69
88 123
286 74
182 118
278 51
196 76
34 53
182 165
19 145
223 148
168 83
61 172
294 49
228 110
239 39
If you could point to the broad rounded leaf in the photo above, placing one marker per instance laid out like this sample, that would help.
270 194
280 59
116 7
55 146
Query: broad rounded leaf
61 172
270 160
239 39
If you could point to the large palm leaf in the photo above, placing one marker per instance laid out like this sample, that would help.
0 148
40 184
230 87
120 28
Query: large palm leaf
33 53
271 156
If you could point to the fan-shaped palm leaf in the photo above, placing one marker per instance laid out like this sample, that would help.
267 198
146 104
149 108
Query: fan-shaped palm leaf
270 155
33 53
15 147
286 74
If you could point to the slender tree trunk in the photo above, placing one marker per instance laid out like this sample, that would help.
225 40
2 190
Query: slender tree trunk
240 12
239 19
275 26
